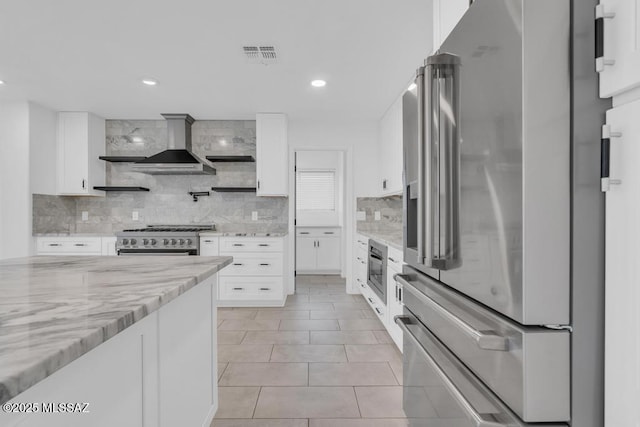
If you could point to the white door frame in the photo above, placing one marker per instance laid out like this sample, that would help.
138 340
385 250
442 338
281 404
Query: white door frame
348 219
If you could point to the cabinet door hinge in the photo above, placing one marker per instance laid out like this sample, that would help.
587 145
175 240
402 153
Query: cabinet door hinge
605 158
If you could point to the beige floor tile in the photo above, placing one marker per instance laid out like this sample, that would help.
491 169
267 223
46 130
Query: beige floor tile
282 314
221 368
353 374
308 325
244 353
331 298
368 313
342 337
383 337
237 314
362 422
260 423
308 353
350 306
237 402
337 314
396 367
230 337
372 353
265 374
249 325
309 285
276 337
380 402
329 290
220 322
297 298
308 306
307 402
361 325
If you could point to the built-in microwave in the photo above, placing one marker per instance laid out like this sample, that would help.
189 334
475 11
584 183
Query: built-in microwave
377 269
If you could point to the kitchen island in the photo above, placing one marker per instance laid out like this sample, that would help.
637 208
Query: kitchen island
127 341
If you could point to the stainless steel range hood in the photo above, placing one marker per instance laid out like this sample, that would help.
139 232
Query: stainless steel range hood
178 158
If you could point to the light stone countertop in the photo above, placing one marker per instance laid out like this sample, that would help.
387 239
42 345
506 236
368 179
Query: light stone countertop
392 240
240 234
54 309
74 235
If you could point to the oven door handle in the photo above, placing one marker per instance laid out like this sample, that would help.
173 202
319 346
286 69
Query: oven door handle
153 254
479 419
486 340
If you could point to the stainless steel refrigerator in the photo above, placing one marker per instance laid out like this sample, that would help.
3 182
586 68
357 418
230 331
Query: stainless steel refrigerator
500 151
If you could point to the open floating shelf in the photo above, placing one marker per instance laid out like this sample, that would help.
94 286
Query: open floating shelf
234 189
229 159
121 188
121 159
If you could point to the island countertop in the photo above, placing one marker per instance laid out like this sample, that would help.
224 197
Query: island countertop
55 309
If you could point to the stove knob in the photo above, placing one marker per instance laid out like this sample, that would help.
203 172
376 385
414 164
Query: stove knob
165 242
189 242
125 241
145 242
173 241
181 242
153 242
134 241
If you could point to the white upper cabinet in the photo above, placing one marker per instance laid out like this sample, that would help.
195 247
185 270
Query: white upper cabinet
619 66
81 140
446 14
390 150
271 155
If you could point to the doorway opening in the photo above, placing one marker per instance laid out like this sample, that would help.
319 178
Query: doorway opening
319 218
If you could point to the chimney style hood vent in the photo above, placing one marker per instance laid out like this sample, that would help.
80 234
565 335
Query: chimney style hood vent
178 158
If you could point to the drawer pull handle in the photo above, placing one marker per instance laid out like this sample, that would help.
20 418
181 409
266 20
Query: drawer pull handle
55 244
265 289
208 241
392 260
304 232
238 289
486 340
238 264
263 244
238 244
328 232
378 311
264 264
478 418
370 300
81 244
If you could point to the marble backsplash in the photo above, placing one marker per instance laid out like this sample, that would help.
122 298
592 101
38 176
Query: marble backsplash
390 224
168 201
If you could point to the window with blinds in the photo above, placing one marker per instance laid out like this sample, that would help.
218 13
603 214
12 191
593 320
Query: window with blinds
316 190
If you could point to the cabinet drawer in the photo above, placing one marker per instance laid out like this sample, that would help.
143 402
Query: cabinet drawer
317 232
251 288
52 246
254 265
376 305
209 246
394 259
250 245
362 242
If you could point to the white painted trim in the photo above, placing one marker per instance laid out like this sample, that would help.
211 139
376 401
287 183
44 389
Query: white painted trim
349 214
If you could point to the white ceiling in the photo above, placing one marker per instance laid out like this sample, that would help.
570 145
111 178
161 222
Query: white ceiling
92 55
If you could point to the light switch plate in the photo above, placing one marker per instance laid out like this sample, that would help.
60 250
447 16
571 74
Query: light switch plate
254 216
134 215
85 216
376 215
361 216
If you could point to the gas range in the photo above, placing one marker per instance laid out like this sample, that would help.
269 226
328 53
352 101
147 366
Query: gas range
161 240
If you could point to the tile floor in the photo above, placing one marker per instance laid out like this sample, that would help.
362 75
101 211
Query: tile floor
323 360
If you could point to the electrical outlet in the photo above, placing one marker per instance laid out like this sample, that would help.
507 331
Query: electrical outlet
376 215
85 216
254 216
134 215
361 216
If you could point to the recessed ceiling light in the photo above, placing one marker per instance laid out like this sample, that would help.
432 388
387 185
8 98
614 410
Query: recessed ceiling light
150 82
318 83
1 82
412 86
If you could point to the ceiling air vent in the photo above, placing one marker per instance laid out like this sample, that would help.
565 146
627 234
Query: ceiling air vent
260 54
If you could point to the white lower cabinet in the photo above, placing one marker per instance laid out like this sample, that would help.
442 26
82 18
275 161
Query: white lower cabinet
73 245
318 250
394 294
161 371
256 276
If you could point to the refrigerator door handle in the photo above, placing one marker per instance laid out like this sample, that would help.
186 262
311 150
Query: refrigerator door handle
422 239
486 340
480 420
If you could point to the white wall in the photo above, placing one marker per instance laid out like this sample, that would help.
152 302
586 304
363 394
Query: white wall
42 140
15 195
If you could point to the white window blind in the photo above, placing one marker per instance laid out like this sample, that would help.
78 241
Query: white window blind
316 190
